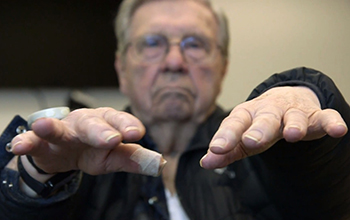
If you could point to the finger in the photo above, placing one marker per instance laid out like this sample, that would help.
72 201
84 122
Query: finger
105 126
327 121
126 157
212 160
264 131
128 125
96 128
27 143
91 131
295 125
332 123
58 132
230 131
44 155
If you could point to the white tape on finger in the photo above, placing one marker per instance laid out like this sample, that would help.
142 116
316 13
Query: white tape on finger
150 162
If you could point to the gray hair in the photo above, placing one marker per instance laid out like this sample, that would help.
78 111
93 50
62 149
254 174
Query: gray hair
128 7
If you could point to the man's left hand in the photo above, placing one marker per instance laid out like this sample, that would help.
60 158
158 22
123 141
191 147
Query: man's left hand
292 113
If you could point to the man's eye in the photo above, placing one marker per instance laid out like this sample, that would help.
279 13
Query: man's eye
152 42
193 43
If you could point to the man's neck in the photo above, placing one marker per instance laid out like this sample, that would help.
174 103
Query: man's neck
172 138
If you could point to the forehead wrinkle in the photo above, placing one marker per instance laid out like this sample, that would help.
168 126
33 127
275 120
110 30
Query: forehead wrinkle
179 22
178 32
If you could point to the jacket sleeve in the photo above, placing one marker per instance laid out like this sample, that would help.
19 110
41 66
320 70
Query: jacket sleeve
308 179
16 205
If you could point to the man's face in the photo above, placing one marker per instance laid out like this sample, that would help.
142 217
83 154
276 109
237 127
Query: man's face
172 89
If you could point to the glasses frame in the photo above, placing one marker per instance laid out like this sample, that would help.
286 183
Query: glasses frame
136 55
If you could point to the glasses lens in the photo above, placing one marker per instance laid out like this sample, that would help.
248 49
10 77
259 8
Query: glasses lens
195 48
151 48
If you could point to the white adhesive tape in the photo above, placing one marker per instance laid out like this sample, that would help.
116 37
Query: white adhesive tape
149 161
57 112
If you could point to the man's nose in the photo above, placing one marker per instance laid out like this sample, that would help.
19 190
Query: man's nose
174 59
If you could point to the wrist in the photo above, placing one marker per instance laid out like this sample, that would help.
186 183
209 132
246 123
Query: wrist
33 172
43 185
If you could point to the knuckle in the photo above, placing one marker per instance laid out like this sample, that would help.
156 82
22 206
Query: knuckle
107 112
242 152
238 116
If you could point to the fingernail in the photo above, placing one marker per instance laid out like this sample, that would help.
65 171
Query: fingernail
150 162
294 127
109 135
200 162
219 142
132 128
254 136
342 124
14 147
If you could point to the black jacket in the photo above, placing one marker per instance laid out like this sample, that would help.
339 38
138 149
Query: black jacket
307 180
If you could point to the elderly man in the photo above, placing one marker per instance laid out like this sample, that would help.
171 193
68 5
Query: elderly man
284 154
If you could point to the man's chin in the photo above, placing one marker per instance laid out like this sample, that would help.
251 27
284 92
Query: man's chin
173 113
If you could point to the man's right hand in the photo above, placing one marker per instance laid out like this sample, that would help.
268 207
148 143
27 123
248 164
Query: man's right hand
90 140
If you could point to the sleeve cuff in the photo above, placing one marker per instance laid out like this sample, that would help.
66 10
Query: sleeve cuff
323 86
12 193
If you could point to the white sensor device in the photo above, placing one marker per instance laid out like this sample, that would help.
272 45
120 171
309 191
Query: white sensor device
57 112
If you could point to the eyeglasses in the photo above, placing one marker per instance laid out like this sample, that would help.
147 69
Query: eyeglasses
154 48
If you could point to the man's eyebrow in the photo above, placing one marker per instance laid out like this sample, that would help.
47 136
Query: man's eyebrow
199 34
196 34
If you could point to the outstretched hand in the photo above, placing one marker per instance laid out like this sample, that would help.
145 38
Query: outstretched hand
90 140
292 113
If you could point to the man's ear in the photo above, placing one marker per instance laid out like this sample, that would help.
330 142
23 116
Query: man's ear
224 72
119 66
225 67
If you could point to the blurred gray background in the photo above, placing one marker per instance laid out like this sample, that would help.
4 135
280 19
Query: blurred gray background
266 37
